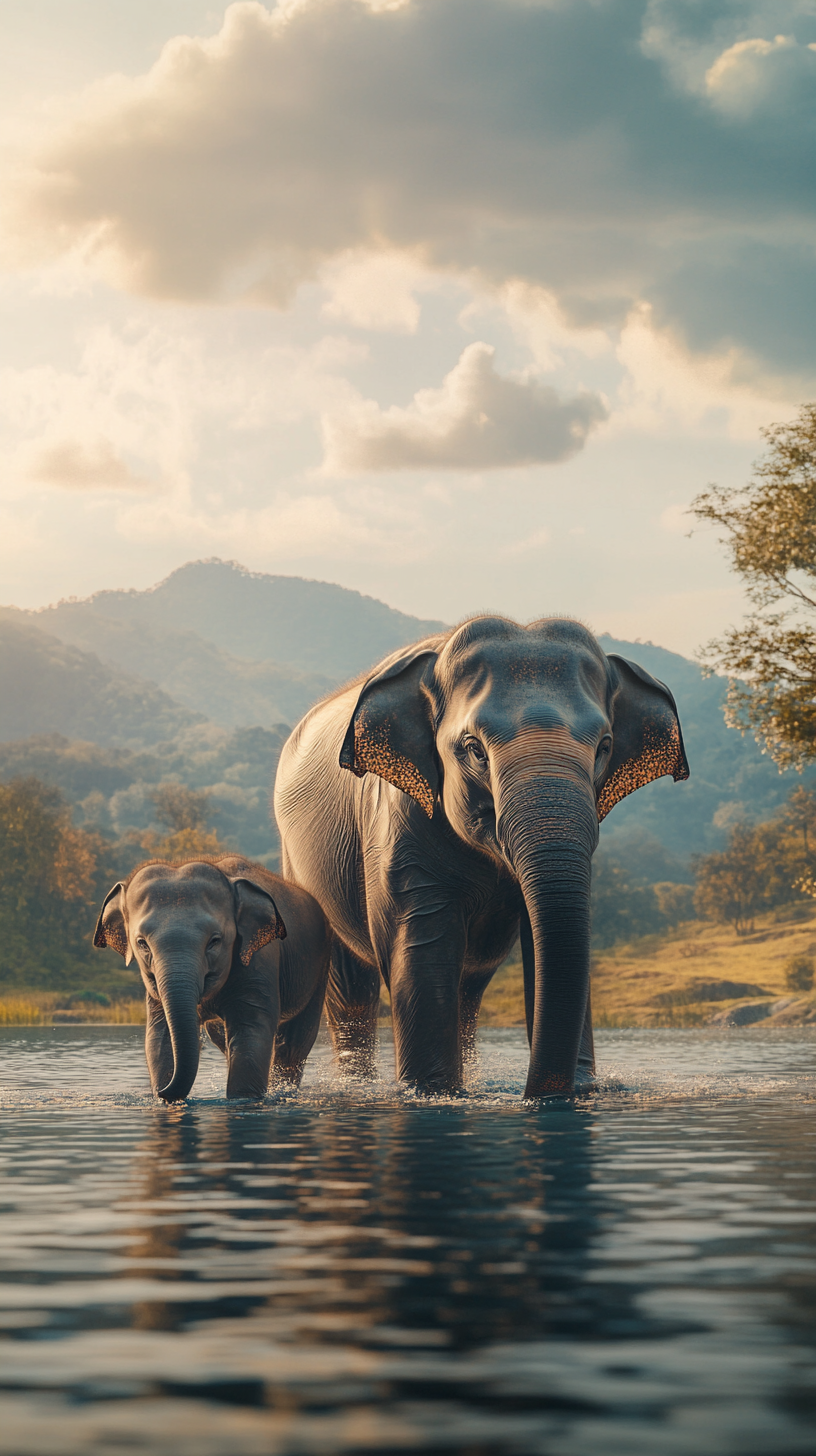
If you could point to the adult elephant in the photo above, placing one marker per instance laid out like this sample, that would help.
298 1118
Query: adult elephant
451 798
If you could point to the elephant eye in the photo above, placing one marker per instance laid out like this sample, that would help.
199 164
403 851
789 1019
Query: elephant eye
603 748
475 750
214 943
142 943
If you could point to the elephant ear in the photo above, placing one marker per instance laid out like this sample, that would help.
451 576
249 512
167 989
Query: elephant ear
391 732
646 738
111 931
256 918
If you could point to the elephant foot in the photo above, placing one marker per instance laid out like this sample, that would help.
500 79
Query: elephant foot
551 1087
435 1089
585 1085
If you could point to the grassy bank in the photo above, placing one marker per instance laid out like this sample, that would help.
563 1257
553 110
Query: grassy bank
50 1008
671 980
675 979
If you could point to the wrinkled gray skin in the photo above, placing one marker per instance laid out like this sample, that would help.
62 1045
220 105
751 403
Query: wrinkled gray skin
216 949
446 803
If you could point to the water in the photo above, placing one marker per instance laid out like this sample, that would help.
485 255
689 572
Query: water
352 1271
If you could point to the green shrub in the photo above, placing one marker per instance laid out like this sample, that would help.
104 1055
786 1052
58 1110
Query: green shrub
799 973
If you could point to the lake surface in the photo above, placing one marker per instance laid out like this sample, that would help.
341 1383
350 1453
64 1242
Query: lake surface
352 1271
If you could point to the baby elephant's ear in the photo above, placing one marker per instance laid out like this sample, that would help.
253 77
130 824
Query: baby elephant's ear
110 927
256 918
646 738
391 733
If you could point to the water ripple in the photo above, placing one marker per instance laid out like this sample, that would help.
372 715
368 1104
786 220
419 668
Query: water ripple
356 1270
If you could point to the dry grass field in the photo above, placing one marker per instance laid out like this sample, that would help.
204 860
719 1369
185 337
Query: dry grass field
51 1008
677 979
697 973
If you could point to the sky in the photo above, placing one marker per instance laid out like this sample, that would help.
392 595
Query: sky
455 302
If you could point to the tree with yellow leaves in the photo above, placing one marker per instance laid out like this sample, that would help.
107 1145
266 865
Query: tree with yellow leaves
50 876
185 814
770 531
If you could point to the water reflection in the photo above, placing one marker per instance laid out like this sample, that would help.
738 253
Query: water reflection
332 1275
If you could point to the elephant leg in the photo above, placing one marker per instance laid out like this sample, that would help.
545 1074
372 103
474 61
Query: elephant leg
250 1040
585 1074
158 1046
470 1001
295 1040
352 1010
217 1033
425 973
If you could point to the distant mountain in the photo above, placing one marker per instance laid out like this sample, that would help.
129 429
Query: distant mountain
216 652
311 626
50 687
731 779
231 691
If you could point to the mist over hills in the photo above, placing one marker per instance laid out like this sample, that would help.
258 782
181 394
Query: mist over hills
228 690
196 680
51 687
311 626
105 698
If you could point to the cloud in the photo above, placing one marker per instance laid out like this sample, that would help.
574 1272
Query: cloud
83 465
478 420
576 148
374 291
773 78
161 401
531 544
666 385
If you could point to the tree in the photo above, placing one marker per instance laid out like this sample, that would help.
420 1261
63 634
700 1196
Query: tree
185 813
731 886
770 530
51 879
178 807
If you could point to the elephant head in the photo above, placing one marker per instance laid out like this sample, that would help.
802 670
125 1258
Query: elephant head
186 926
523 739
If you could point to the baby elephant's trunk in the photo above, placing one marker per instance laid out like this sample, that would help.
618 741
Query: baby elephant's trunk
179 991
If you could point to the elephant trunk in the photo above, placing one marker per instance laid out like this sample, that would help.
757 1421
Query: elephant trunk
549 833
180 991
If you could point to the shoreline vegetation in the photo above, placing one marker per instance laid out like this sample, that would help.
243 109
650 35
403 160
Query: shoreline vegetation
53 1008
700 974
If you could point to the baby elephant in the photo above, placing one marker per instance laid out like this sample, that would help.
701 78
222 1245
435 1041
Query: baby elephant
213 949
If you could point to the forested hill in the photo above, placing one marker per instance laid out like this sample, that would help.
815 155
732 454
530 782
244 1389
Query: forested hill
187 667
310 626
51 687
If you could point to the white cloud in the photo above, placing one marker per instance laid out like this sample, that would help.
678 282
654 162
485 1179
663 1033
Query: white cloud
687 37
768 77
149 404
477 420
243 163
666 386
531 544
374 291
536 318
83 465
